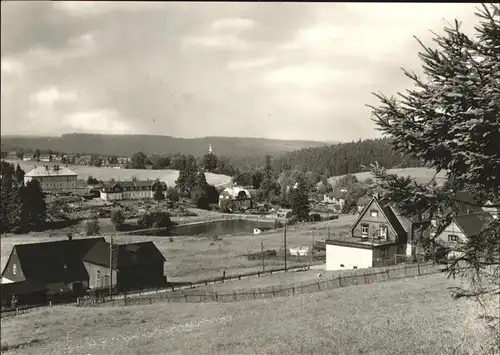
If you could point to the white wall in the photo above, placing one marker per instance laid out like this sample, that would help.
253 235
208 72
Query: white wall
451 229
348 256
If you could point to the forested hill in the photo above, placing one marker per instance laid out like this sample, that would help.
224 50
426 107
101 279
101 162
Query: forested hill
344 158
123 145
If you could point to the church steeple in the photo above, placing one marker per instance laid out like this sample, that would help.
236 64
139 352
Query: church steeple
210 149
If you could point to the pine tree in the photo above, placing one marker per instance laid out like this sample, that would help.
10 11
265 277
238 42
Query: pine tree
451 121
299 198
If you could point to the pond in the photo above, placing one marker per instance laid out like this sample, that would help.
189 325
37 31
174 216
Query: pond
218 228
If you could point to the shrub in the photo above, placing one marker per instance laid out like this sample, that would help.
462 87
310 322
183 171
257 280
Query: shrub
92 227
155 219
117 218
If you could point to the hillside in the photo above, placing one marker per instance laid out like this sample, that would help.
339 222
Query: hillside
120 145
415 316
421 175
343 158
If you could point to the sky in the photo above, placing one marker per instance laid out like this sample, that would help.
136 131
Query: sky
272 70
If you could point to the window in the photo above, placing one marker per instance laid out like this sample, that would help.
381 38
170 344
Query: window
383 253
98 277
374 213
383 232
452 238
364 229
14 269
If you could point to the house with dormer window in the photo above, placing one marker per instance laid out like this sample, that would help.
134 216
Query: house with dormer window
379 234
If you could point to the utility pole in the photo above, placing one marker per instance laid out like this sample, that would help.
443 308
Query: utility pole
312 250
262 248
111 268
284 242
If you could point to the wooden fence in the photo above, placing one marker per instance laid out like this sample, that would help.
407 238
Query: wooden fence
187 296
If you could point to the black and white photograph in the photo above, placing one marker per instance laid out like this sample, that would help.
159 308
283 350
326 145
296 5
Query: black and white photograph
250 178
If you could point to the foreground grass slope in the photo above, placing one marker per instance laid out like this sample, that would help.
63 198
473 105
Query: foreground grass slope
415 316
421 175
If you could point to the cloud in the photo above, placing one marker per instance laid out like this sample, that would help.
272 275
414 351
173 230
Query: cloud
218 42
240 65
52 96
233 24
305 75
12 67
93 8
209 69
100 121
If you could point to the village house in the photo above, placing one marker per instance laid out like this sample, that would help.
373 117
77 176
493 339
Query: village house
131 190
45 158
12 156
234 199
80 264
379 234
461 229
492 207
28 156
53 178
50 263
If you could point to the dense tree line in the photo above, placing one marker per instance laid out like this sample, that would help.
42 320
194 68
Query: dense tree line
344 158
23 205
209 162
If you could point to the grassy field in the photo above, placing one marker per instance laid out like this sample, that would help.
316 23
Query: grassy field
410 317
421 175
195 258
169 176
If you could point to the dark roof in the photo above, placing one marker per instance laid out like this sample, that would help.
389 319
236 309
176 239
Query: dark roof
21 288
467 206
124 255
394 221
471 224
55 261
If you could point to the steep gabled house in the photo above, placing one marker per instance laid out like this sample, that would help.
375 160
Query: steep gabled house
78 264
50 263
461 228
378 234
133 266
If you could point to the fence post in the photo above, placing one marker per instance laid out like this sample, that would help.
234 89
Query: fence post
216 297
234 295
254 294
418 269
293 290
50 304
186 298
150 299
388 275
200 298
340 281
17 311
125 299
366 281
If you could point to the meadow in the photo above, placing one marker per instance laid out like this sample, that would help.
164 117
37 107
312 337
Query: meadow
413 316
105 174
192 258
421 175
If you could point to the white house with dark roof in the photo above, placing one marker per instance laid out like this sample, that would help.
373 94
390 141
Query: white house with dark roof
461 228
235 198
379 234
52 178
